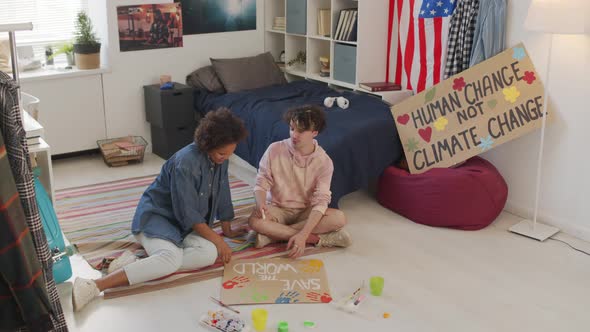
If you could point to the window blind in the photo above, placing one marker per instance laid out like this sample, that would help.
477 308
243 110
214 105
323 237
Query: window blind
53 20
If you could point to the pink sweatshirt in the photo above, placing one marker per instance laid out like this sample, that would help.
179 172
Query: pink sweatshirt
296 181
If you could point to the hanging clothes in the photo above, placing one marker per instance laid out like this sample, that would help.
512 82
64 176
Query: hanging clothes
17 152
461 31
489 38
23 296
417 46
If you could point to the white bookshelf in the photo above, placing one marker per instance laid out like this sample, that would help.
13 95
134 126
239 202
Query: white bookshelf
370 45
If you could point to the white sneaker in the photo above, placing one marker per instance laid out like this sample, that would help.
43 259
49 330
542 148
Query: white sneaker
84 291
339 238
126 258
262 241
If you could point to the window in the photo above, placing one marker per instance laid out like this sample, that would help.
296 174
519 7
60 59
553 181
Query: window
53 20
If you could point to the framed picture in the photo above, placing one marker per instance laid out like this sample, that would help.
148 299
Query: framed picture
146 27
208 16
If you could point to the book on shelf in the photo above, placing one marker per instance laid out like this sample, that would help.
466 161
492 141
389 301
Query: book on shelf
339 26
33 140
279 23
352 27
345 14
380 86
347 25
324 22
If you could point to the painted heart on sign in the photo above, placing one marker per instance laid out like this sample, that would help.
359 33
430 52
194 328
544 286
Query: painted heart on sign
425 133
403 119
492 103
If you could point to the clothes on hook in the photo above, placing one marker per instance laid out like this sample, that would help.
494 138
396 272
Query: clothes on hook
490 31
23 296
17 155
461 34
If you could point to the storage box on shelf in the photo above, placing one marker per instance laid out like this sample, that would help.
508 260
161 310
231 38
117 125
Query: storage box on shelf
357 54
297 17
171 116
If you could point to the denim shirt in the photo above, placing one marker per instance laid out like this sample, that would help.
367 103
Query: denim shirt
489 37
179 197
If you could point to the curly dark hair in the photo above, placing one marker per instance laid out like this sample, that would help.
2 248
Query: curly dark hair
219 128
308 117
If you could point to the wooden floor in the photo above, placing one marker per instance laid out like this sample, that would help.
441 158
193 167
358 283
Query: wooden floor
435 279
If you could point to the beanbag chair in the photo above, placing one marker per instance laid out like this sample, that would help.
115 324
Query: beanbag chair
467 197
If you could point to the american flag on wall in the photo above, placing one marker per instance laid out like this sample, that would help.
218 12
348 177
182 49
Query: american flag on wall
418 36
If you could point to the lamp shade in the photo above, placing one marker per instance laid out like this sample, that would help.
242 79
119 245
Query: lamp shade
557 16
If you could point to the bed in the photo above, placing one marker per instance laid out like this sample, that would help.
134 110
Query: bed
361 140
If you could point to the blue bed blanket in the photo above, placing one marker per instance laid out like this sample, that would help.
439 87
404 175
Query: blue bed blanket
361 140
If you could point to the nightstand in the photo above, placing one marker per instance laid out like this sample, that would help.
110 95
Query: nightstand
171 116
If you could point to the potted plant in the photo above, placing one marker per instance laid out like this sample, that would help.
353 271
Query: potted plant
49 55
299 60
86 44
68 50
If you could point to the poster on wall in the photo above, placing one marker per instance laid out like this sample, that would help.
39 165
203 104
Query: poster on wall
208 16
485 106
275 280
147 27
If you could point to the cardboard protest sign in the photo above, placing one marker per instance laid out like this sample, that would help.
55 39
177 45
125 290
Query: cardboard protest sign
275 280
487 105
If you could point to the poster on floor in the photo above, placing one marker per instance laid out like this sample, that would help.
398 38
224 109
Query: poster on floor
479 109
146 27
208 16
275 280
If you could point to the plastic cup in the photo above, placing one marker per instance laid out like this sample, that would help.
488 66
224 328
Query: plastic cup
283 326
376 284
259 317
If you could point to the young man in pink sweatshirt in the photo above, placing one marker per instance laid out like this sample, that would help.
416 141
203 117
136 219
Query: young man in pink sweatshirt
293 189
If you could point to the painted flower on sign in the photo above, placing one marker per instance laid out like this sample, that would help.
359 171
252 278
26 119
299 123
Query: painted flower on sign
529 77
441 123
511 94
519 53
486 143
458 84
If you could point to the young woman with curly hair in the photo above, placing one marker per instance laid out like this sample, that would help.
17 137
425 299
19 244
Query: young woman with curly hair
175 213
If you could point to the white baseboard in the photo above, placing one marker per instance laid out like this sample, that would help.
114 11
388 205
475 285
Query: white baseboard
578 231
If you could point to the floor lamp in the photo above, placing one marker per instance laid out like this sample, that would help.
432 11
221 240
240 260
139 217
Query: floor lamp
553 17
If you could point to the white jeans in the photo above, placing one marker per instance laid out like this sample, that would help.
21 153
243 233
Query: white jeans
164 257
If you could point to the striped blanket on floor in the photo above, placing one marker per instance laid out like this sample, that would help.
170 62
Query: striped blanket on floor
97 219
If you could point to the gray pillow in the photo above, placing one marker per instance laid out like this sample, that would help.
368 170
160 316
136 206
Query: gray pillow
205 78
248 73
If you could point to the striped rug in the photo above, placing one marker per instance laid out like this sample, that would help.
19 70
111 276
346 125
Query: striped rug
97 219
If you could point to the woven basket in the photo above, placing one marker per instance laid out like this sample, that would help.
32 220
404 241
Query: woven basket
122 151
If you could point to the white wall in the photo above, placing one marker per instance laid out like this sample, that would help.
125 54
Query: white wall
130 71
565 188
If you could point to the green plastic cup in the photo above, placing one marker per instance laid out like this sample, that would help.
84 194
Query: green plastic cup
376 284
283 326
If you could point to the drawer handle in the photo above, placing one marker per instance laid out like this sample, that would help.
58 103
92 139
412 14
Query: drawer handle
177 93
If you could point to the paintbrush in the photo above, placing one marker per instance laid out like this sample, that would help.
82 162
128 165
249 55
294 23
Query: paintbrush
223 304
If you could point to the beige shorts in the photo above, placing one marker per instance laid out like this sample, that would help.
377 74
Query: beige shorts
287 216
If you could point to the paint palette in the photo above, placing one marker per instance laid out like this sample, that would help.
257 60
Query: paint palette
224 321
